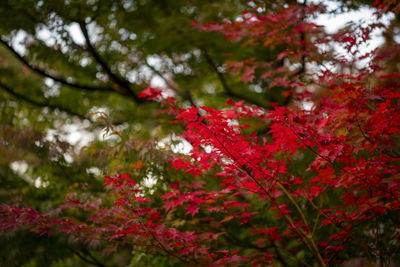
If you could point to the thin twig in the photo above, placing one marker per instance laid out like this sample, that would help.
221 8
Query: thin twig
303 236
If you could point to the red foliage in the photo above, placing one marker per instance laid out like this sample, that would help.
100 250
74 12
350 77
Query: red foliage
352 130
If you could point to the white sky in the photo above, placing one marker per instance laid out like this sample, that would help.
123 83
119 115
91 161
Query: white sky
363 16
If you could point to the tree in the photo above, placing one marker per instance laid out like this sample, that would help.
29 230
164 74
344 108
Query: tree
53 81
282 185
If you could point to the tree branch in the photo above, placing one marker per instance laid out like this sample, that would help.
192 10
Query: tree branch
302 234
224 83
41 104
55 78
185 95
94 262
392 154
98 263
118 80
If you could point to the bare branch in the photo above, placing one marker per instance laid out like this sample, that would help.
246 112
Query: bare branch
55 78
126 85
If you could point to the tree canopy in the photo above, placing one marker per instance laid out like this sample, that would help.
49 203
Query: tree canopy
210 133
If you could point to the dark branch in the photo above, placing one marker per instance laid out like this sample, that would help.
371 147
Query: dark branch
83 258
118 80
185 95
55 78
224 83
303 41
302 71
392 154
41 104
87 252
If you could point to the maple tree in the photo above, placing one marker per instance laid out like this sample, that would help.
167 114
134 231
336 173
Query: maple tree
245 179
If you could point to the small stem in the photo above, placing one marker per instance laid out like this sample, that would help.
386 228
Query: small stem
303 235
381 264
159 241
287 193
